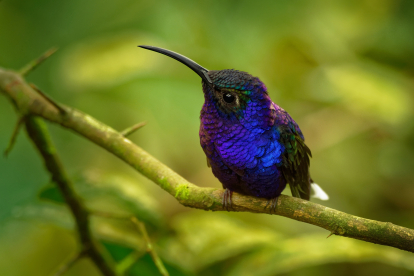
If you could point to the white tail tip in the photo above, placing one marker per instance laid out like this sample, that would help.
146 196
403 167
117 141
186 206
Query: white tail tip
318 192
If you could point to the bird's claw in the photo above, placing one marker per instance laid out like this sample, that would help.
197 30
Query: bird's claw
273 204
227 202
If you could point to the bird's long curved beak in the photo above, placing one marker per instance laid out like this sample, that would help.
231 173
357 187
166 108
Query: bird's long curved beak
200 70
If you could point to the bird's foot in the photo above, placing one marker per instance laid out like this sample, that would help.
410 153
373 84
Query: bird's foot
227 199
273 204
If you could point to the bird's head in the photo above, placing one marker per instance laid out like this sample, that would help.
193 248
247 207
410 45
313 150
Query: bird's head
232 90
229 90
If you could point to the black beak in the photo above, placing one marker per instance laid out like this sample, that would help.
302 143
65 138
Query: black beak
201 71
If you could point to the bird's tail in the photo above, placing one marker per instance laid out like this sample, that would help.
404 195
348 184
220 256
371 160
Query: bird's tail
300 189
307 189
317 192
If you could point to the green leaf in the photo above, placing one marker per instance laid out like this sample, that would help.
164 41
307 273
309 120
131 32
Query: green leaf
203 239
119 195
51 193
118 252
146 266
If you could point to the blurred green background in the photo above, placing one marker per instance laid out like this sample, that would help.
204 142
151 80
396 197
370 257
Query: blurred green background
343 69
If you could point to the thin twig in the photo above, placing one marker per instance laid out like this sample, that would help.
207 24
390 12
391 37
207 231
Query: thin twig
39 134
150 248
52 102
148 244
67 265
132 129
127 262
33 64
14 136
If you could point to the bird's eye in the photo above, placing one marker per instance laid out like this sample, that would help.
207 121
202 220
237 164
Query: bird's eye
228 98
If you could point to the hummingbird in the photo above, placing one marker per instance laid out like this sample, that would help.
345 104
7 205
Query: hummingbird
252 145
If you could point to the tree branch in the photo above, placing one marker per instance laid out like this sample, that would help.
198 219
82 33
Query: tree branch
38 133
27 101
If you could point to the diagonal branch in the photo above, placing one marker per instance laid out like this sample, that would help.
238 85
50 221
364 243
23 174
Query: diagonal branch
27 101
38 133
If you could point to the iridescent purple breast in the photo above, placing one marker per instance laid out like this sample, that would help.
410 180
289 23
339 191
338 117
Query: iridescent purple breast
242 145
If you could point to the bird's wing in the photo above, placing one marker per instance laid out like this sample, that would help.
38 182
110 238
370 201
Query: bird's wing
295 159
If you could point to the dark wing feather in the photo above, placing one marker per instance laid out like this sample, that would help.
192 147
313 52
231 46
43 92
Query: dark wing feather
295 162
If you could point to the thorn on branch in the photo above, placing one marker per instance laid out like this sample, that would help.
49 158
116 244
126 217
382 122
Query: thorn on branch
338 230
52 102
132 129
14 136
33 64
67 265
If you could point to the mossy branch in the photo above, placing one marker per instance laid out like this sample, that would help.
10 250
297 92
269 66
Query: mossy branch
28 101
